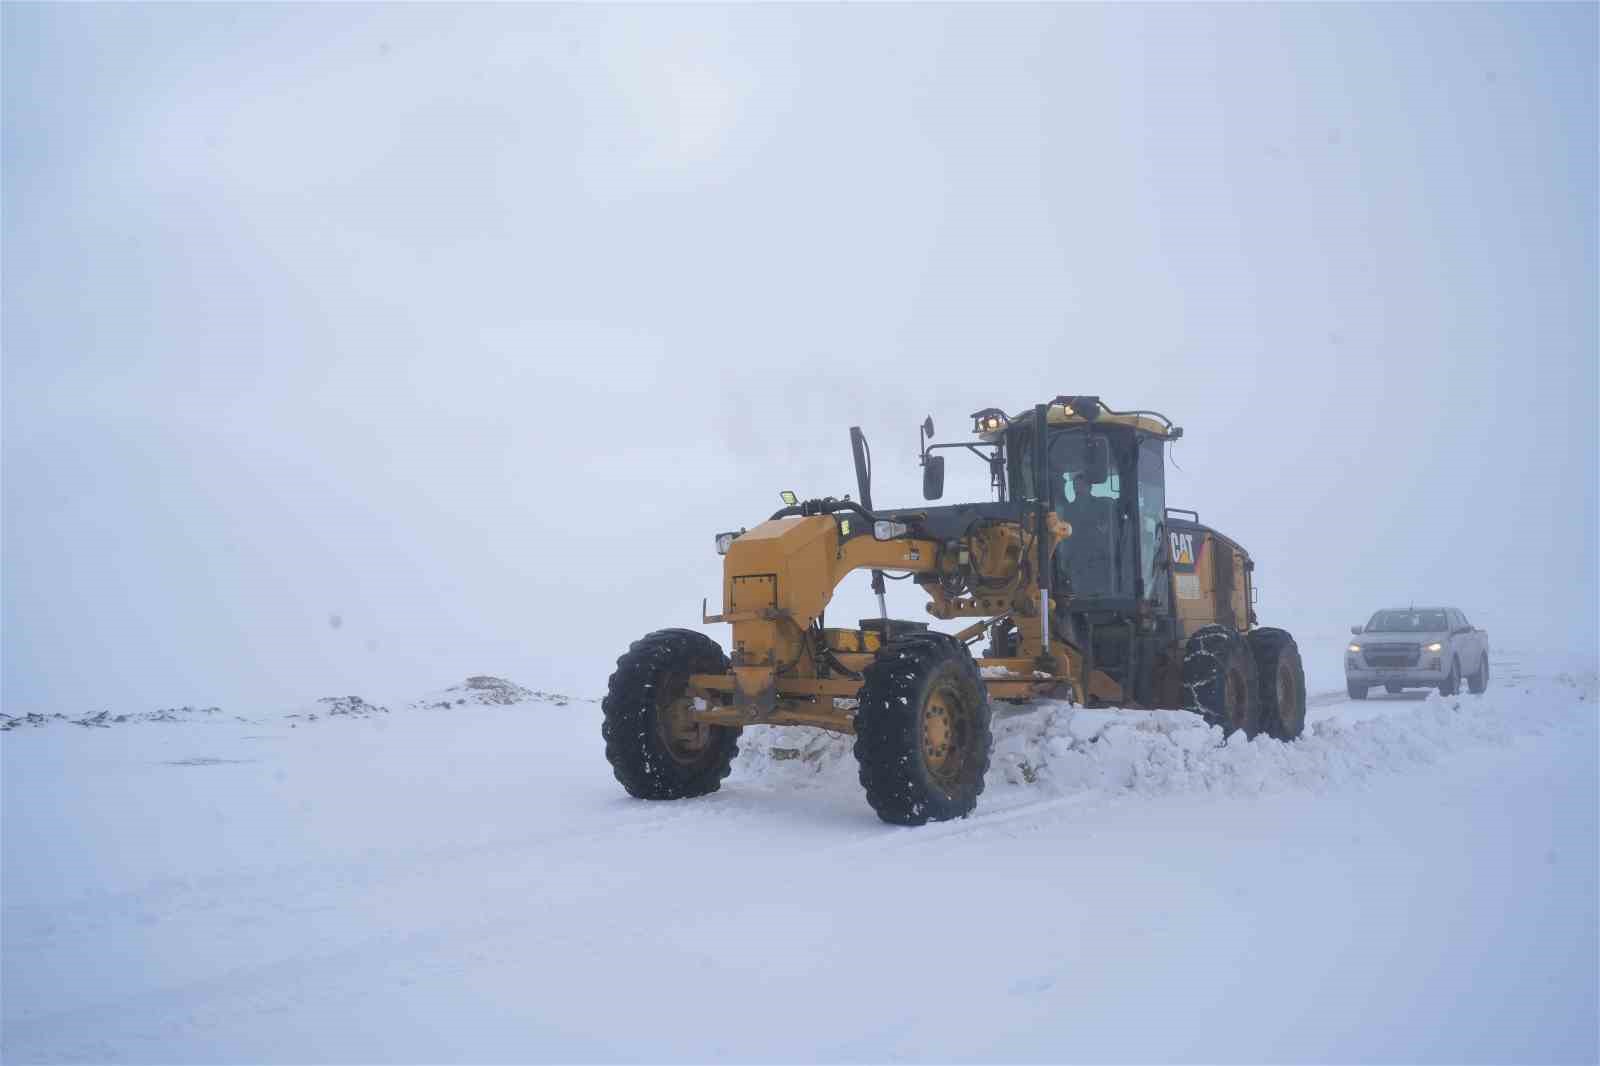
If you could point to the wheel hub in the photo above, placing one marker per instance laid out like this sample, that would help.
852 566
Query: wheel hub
944 734
684 737
936 734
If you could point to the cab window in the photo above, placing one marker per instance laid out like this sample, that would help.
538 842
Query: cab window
1109 489
1152 513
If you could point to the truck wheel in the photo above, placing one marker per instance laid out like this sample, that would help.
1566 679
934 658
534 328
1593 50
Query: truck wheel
922 731
1394 690
1479 680
1452 682
1220 680
1282 681
1357 692
655 748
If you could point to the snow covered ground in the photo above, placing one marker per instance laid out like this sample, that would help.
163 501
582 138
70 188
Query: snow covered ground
458 878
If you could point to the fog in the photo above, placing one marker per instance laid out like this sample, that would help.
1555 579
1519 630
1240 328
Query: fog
355 349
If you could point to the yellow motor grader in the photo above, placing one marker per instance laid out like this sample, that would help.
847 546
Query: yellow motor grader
1084 585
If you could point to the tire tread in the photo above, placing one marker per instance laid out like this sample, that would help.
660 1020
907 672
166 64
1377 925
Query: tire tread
898 789
639 761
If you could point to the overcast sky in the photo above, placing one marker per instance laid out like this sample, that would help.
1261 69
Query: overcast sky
354 349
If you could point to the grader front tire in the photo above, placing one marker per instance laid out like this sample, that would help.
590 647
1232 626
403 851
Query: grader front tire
655 749
923 731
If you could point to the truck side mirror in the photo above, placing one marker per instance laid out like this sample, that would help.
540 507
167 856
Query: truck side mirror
933 477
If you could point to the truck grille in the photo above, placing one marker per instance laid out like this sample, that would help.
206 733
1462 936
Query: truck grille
1391 655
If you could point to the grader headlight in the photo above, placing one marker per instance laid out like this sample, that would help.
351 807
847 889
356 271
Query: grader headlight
989 420
725 541
883 529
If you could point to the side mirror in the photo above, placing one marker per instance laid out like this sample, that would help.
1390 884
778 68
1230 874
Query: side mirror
927 427
1357 630
933 477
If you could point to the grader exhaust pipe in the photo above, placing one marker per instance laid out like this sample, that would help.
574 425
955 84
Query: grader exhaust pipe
863 460
1041 492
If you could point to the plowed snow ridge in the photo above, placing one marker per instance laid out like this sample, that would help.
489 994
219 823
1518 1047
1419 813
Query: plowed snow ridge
1055 749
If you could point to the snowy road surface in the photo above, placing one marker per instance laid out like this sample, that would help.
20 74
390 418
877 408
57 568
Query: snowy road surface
1415 880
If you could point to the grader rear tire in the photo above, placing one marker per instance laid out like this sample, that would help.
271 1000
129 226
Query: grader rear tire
1283 683
922 731
1220 680
656 751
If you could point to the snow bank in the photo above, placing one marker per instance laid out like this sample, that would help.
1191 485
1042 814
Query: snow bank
486 691
481 690
1053 748
105 719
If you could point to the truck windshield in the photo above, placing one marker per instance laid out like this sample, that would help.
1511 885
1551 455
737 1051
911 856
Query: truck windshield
1408 622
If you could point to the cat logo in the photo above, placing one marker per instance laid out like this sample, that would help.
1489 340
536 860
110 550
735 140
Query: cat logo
1182 549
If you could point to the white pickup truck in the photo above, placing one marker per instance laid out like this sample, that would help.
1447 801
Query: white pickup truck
1416 647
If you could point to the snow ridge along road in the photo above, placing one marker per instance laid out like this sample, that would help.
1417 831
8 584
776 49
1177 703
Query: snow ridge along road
1414 880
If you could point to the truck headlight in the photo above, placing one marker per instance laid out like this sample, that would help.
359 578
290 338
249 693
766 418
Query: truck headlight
1436 647
724 541
1354 648
883 529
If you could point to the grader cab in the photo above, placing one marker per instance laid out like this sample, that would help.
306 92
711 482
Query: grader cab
1077 579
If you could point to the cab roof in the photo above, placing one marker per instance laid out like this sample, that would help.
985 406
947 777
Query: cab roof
1069 411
